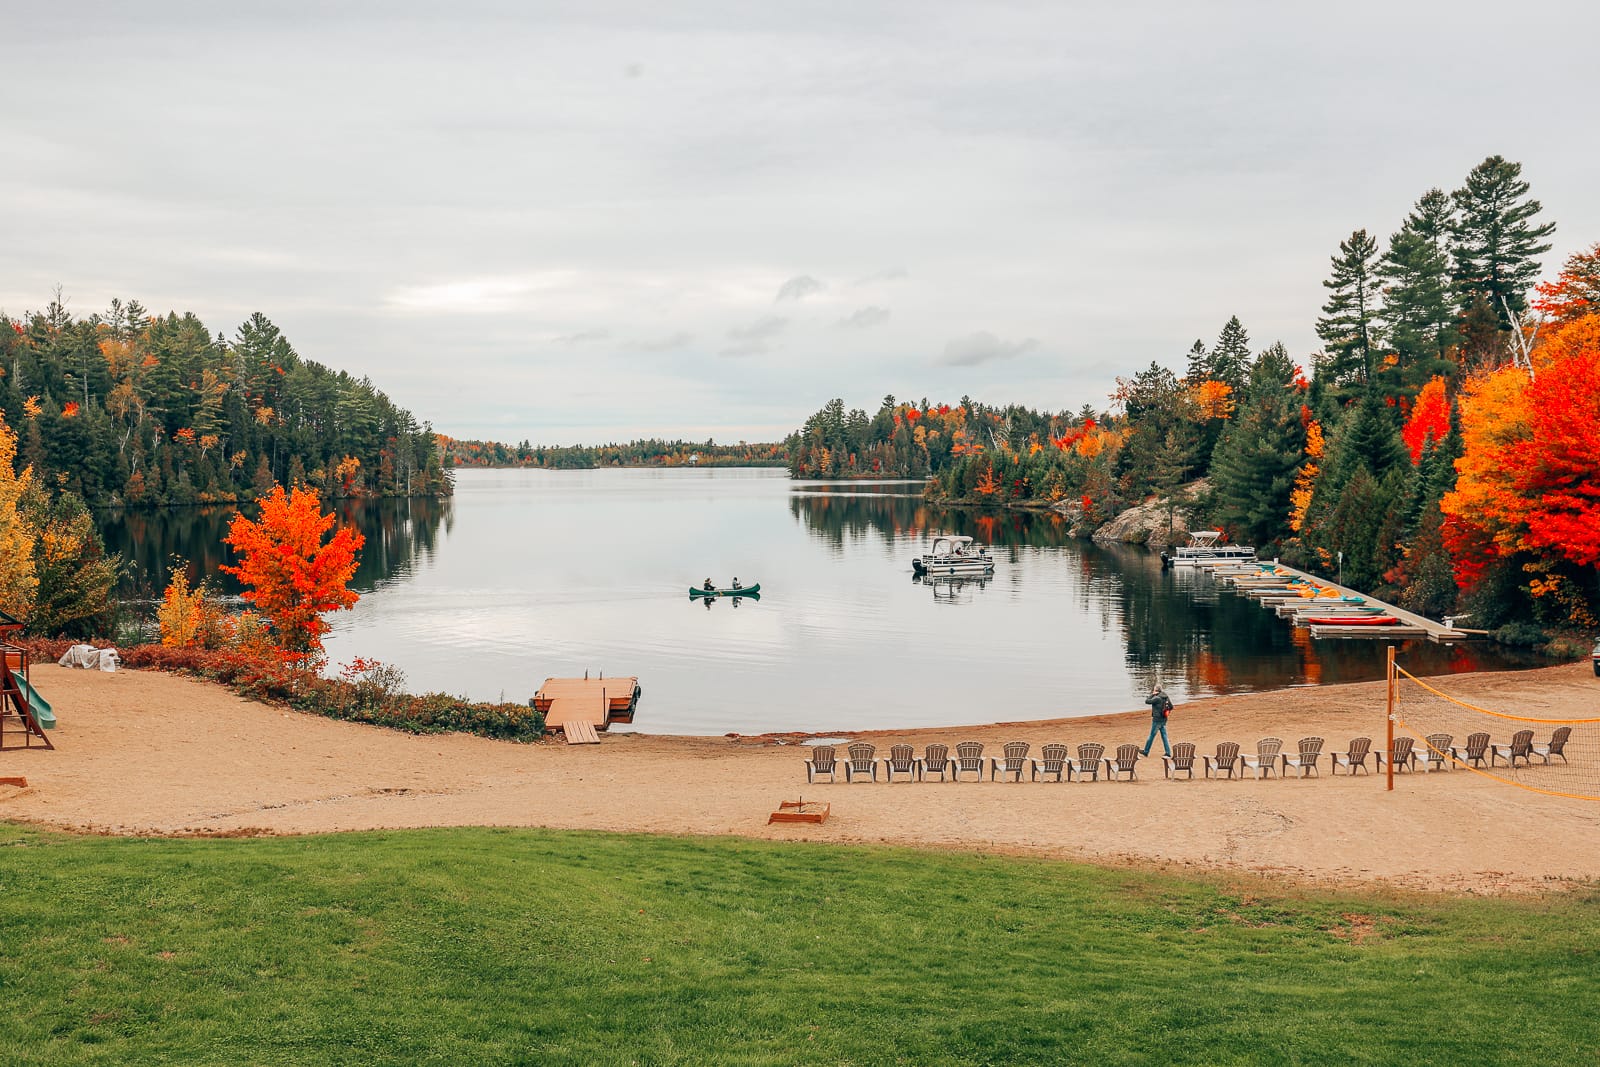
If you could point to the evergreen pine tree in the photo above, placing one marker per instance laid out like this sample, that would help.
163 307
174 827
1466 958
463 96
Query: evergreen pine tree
1199 368
1418 306
1348 327
1497 245
1254 467
1230 356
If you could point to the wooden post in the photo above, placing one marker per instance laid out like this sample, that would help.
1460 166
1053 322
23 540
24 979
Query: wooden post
1389 674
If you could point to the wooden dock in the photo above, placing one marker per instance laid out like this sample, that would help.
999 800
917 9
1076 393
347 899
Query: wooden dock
579 707
1270 589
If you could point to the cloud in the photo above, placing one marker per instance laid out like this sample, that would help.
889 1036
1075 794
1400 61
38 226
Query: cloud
668 343
888 274
752 340
864 318
982 347
467 295
798 288
582 337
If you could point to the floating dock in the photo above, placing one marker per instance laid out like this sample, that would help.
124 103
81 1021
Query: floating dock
1270 584
579 707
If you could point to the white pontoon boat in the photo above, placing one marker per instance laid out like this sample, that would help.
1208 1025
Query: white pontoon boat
1203 550
954 555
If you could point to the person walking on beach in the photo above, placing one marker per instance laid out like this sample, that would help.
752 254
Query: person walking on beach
1160 705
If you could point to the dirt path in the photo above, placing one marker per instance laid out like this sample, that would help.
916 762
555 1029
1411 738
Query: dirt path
147 753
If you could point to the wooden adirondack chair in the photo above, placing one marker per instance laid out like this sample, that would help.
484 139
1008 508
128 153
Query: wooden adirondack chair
1472 753
1353 758
1180 762
969 760
1124 762
1306 761
1012 763
863 762
1434 755
821 762
1403 758
1053 762
1556 747
1265 761
902 759
1088 762
1519 748
935 760
1225 761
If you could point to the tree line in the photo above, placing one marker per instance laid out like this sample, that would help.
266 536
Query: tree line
132 409
651 452
1440 451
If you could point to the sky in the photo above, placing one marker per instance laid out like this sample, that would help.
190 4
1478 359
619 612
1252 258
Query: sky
583 222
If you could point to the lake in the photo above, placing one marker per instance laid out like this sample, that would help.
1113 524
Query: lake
527 574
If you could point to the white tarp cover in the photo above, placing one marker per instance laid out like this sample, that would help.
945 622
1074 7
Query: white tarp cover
90 658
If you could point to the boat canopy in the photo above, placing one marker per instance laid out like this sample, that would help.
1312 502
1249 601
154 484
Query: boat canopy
944 546
1204 538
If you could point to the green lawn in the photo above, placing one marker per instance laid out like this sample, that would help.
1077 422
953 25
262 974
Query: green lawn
522 946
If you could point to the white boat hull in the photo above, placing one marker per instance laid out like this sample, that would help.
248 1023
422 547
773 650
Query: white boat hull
944 567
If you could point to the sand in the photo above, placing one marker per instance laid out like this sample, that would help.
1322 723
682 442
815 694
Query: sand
149 753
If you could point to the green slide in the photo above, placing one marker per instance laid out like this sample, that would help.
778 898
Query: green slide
41 707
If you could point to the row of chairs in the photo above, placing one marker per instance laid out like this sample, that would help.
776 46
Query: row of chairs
1436 752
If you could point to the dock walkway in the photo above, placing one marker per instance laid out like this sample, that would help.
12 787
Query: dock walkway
580 706
1273 592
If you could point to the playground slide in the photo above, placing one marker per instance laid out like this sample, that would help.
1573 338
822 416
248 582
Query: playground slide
41 707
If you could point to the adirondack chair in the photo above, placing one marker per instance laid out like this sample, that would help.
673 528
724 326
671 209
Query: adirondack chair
862 762
902 759
1434 755
1087 764
1306 762
1472 753
969 760
1521 744
1353 758
1556 747
821 762
1013 763
1265 761
1226 760
935 760
1124 762
1052 763
1403 758
1180 762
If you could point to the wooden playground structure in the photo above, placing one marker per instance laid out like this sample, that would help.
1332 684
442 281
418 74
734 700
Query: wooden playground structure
17 695
579 707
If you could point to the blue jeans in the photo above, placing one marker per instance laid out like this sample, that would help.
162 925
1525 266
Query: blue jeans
1158 726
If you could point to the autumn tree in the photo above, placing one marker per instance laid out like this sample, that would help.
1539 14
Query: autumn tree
18 582
290 572
1429 421
76 579
1576 292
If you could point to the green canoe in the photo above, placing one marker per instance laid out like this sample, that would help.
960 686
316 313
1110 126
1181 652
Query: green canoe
746 590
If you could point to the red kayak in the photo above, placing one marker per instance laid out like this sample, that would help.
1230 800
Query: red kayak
1353 620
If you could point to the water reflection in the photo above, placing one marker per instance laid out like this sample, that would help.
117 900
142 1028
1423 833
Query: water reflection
401 535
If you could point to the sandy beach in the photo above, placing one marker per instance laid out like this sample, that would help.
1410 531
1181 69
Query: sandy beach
148 753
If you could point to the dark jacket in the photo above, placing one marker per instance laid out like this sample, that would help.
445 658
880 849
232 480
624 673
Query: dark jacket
1160 704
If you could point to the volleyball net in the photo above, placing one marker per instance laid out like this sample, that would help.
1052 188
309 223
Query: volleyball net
1555 756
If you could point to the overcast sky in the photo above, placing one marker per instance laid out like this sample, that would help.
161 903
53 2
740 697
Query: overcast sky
587 221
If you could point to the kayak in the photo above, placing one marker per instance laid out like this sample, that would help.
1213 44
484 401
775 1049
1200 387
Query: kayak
1353 620
747 590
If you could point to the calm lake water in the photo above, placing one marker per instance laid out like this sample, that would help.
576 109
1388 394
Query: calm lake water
528 574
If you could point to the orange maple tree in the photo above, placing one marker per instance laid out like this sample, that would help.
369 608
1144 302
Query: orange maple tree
291 574
1430 418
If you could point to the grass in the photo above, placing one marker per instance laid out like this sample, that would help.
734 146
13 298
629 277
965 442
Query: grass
522 946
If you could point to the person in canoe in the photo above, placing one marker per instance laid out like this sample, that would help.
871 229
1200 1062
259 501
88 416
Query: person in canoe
736 584
708 587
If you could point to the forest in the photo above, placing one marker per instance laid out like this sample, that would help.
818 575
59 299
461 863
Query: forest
641 453
132 409
1438 450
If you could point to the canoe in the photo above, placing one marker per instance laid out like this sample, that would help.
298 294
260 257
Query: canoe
748 590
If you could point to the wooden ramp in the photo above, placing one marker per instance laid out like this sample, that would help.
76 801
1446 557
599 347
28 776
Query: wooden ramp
578 732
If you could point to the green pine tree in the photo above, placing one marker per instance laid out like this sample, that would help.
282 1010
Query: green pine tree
1254 466
1418 301
1199 367
1496 243
1349 325
1230 356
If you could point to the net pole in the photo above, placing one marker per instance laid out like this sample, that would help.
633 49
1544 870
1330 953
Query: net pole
1389 673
